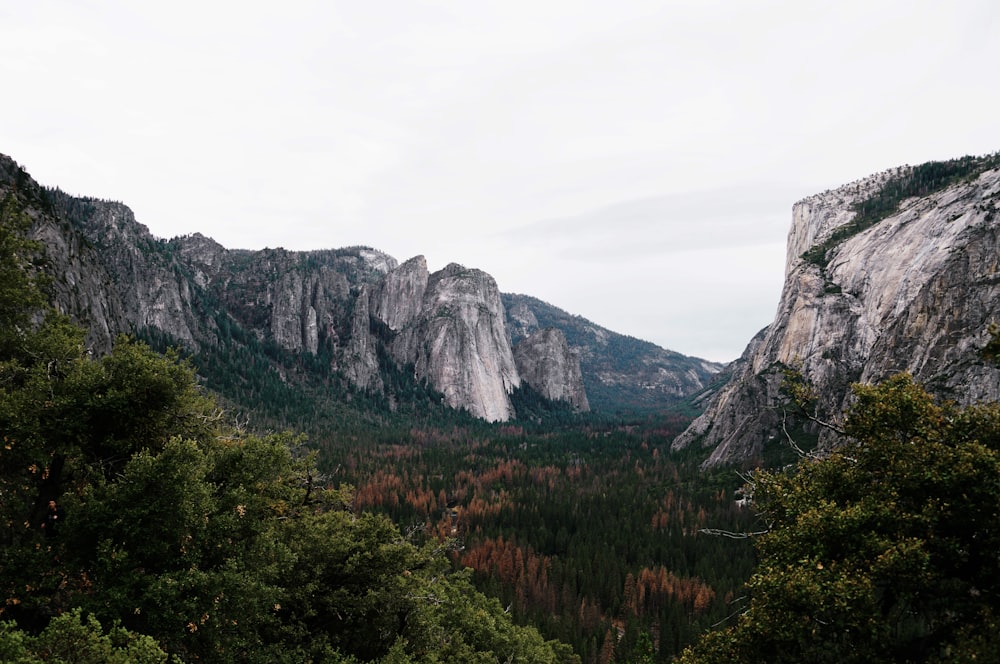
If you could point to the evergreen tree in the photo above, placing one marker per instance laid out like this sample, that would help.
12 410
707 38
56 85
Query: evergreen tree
884 552
190 536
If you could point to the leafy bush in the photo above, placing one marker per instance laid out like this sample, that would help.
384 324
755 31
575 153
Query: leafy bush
191 536
883 552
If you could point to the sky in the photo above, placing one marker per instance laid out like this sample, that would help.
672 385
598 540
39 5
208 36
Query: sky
632 162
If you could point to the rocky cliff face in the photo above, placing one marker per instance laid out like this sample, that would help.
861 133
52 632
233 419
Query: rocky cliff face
354 310
153 291
448 326
79 279
187 287
620 373
458 341
360 363
400 296
914 290
547 364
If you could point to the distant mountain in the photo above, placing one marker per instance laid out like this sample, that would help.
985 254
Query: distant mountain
897 272
620 373
348 319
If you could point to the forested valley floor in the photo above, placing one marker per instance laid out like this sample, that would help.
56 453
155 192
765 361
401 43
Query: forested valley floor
244 505
594 534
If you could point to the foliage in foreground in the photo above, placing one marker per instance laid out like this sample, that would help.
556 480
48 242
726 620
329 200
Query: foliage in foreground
186 537
887 550
72 637
592 536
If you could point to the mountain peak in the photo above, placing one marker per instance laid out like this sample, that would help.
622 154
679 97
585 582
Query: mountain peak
893 273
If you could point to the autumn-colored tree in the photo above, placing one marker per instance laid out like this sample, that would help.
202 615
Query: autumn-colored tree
190 537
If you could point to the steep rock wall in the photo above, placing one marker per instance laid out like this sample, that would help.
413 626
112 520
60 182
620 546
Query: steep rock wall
915 292
619 372
546 363
360 359
79 280
400 296
355 307
458 343
154 292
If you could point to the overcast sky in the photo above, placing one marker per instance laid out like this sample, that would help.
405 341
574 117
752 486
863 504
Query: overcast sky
632 162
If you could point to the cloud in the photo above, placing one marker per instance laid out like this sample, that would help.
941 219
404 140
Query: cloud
723 218
633 162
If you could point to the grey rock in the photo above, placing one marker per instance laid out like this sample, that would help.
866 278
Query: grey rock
620 373
458 343
916 292
356 307
546 363
360 361
400 296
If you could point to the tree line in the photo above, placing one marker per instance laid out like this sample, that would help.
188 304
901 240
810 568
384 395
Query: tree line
181 536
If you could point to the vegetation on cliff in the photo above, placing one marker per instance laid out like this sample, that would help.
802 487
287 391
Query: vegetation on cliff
911 181
886 550
188 537
184 536
188 534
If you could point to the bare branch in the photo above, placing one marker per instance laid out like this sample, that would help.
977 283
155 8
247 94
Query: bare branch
735 613
732 535
791 441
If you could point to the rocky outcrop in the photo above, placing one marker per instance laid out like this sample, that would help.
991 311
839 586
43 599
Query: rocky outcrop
79 280
458 342
79 284
352 314
360 361
154 292
620 373
202 255
303 301
400 296
546 363
914 291
521 320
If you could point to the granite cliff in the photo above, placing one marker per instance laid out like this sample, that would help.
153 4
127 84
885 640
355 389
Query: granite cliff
79 279
355 311
458 341
898 272
547 363
618 371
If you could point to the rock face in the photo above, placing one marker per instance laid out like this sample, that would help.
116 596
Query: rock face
915 292
154 294
354 311
458 341
342 304
400 297
620 373
547 364
360 362
79 278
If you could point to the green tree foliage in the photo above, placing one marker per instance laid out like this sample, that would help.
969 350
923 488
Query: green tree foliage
580 531
886 551
192 537
72 637
20 296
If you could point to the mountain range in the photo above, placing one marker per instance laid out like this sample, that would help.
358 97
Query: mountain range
896 272
355 315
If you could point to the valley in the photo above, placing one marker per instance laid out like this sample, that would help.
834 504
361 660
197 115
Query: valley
437 471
